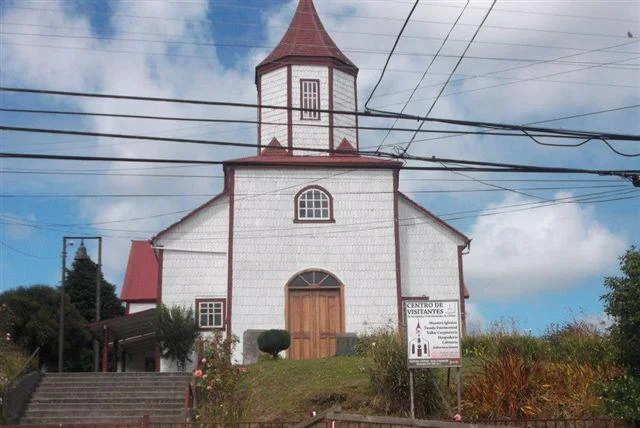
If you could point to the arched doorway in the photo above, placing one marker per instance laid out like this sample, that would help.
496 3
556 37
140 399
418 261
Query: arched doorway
314 314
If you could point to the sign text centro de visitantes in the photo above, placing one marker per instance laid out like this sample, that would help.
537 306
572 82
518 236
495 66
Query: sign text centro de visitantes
433 333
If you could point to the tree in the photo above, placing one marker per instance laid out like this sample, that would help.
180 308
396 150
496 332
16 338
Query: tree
80 285
35 323
622 303
177 333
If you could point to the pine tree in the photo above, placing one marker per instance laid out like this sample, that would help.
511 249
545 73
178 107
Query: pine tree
80 286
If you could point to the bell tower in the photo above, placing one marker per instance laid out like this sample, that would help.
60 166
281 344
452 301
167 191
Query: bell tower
309 76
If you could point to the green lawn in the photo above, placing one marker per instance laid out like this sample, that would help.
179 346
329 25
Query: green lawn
286 390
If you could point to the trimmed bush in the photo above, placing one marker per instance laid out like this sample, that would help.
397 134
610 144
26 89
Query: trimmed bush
273 342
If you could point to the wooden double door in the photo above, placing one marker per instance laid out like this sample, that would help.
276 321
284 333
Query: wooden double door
315 317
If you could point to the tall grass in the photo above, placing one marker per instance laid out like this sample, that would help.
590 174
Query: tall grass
385 359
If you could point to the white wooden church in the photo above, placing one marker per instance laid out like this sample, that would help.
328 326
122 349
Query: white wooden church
317 243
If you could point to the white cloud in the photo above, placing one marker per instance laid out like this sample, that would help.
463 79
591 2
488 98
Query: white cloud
476 322
535 250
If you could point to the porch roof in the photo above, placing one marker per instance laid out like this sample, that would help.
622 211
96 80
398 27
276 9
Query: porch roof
127 326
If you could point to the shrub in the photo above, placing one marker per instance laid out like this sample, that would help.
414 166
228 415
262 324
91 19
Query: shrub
272 342
622 397
220 400
177 331
385 356
579 341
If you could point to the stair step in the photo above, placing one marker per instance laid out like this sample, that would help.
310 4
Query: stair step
104 413
62 400
152 407
91 422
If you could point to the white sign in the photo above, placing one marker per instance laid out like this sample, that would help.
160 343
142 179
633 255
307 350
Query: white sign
433 333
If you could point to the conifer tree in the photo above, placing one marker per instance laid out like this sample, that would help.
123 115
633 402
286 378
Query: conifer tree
80 286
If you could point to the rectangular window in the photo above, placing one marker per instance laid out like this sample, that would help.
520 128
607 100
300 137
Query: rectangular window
310 99
210 313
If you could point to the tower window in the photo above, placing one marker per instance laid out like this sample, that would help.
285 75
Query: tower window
310 99
313 204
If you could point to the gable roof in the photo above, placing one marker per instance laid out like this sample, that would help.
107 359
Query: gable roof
141 278
191 214
437 219
307 38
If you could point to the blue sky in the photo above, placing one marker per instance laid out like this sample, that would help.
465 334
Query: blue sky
537 266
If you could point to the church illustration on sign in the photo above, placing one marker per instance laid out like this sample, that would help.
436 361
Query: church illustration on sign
419 348
322 244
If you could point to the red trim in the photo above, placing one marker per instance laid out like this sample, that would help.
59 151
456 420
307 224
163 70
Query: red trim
302 60
331 136
301 99
259 84
191 214
396 233
463 313
296 219
289 107
231 190
160 274
355 90
436 218
337 161
224 313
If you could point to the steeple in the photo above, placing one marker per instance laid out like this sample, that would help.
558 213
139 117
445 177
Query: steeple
306 40
311 77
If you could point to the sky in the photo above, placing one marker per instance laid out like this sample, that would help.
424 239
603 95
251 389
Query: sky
537 257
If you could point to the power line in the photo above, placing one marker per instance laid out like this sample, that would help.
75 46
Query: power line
424 75
23 252
184 40
257 122
378 18
395 44
466 49
473 165
503 126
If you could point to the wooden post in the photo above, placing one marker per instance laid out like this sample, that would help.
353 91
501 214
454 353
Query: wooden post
145 421
458 390
413 410
105 350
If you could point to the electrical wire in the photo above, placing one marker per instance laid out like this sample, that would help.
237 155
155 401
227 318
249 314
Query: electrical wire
395 44
503 126
424 75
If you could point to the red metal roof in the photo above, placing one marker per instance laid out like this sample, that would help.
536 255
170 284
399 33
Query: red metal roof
346 161
141 278
307 38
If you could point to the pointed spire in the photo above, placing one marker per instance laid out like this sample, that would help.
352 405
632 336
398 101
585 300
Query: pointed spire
81 253
307 38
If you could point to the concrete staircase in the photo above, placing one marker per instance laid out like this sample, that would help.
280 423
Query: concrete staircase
108 398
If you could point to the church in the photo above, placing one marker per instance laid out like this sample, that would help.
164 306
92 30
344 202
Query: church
307 235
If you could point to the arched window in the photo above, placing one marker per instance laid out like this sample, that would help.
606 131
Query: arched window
314 278
314 204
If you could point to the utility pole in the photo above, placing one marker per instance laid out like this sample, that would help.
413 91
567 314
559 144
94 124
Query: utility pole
61 323
96 345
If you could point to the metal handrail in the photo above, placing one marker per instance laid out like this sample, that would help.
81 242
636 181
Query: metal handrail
24 367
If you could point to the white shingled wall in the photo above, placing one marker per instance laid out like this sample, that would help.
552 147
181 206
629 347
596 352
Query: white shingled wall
139 307
428 255
305 136
269 248
274 92
194 261
344 99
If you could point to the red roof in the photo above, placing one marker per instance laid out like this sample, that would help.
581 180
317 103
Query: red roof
335 161
307 38
141 278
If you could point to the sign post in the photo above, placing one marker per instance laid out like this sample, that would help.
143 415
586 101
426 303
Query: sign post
433 337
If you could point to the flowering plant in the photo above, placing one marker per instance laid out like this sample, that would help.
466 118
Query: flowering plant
217 378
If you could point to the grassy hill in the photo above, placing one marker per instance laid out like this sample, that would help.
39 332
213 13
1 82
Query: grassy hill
286 390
